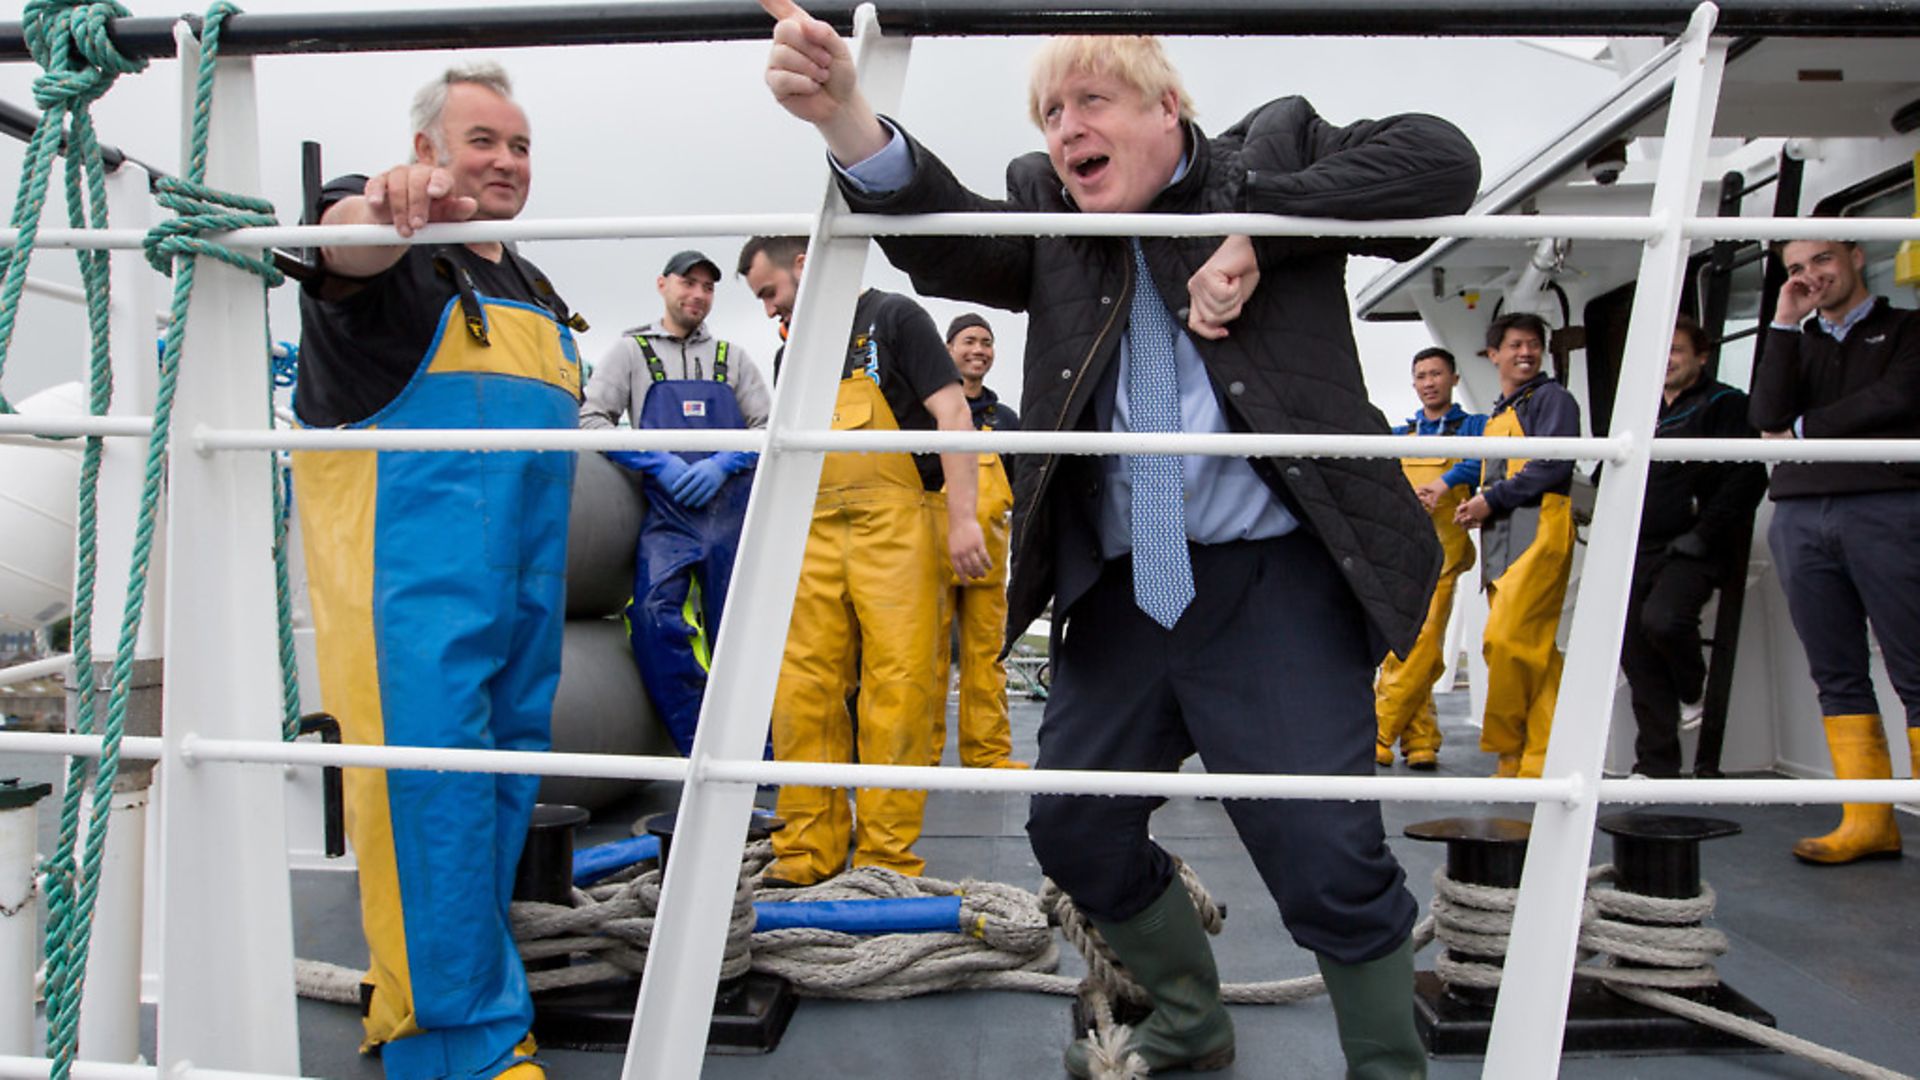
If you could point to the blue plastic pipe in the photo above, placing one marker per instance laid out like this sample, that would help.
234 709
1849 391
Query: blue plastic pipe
592 864
908 915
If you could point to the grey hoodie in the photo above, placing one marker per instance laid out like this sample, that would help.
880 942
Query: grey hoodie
619 381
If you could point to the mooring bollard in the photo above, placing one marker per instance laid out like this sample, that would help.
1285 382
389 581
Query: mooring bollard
750 1012
1480 851
1659 854
1655 855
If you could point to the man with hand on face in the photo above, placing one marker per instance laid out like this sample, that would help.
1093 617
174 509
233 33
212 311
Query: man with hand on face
870 582
674 375
1225 606
978 608
1525 517
1694 529
1403 691
438 579
1841 363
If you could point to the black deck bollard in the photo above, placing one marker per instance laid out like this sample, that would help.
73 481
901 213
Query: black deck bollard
750 1012
1655 855
1480 851
1659 854
545 873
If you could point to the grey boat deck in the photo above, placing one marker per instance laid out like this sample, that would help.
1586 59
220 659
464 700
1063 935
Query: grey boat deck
1829 951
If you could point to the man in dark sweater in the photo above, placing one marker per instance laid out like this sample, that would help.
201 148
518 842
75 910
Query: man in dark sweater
1694 528
1840 363
1226 606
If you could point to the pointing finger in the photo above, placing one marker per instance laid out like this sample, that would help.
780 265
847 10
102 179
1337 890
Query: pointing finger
781 9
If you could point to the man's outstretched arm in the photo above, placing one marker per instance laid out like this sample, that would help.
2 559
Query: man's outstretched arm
406 197
811 74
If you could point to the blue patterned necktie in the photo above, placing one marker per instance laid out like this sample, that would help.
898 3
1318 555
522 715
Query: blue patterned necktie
1162 575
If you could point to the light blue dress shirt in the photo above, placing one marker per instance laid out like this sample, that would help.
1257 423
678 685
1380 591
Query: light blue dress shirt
1226 499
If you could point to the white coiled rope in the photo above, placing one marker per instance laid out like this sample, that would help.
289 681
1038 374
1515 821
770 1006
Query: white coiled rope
1005 942
1659 935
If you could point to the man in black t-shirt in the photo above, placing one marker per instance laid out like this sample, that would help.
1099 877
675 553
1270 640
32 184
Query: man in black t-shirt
437 579
870 584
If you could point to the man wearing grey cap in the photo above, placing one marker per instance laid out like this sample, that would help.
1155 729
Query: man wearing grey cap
673 373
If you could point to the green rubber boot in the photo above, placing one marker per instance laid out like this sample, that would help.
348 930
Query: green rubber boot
1165 949
1373 1003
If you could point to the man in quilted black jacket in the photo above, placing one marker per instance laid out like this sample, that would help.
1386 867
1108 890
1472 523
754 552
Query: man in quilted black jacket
1252 636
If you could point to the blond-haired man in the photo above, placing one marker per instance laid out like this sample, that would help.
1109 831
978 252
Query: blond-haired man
1224 606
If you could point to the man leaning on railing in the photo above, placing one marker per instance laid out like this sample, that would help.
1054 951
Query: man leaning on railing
1231 607
437 579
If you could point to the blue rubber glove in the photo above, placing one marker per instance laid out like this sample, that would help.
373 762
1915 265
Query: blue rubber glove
699 484
661 465
735 462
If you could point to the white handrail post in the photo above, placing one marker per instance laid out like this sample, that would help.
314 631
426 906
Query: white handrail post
1529 1023
226 928
675 1007
110 1006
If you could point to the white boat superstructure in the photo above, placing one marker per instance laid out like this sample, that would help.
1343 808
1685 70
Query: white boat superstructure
1806 128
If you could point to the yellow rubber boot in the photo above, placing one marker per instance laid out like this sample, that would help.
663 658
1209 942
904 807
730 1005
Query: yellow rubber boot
524 1066
1382 753
1867 831
1421 742
1913 747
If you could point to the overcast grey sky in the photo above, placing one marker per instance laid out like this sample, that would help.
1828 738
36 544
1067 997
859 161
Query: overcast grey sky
625 130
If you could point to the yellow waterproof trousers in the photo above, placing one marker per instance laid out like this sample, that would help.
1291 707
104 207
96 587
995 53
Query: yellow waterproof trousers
868 597
979 610
1403 691
1523 615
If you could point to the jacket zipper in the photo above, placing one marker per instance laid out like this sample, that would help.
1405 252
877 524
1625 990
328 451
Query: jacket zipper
1046 463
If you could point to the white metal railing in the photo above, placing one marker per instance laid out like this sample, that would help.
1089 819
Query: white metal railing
34 669
30 1068
223 895
198 751
1464 226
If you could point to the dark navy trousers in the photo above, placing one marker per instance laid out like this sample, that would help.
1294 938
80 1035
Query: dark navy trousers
1267 671
1660 651
1846 561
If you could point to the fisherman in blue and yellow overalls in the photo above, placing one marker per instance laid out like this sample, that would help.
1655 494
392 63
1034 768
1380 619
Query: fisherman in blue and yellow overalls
673 374
438 579
869 586
1403 690
1525 516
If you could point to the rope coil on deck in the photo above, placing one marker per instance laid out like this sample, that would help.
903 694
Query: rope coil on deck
1656 934
1008 945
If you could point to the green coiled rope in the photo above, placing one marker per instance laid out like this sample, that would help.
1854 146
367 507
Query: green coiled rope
69 40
